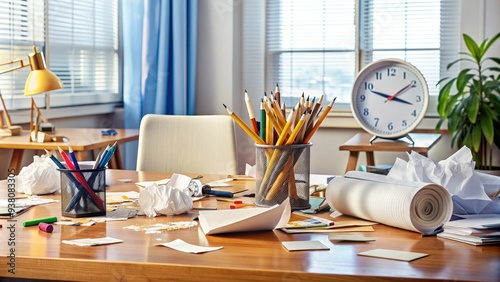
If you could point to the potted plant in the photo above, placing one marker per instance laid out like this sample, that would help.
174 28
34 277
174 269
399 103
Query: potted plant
470 102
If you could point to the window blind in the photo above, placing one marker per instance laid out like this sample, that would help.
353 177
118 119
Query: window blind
317 47
80 43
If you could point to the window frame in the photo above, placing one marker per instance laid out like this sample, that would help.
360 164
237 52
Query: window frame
17 103
254 61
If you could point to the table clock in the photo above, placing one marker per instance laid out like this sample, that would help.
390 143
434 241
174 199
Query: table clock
389 99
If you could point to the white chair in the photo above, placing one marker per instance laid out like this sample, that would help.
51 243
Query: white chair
187 144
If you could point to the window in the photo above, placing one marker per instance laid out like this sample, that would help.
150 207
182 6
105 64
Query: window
317 47
79 40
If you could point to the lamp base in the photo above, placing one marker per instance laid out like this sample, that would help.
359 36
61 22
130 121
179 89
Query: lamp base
42 137
13 130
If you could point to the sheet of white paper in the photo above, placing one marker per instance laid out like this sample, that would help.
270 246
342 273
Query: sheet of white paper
393 254
27 202
92 241
479 222
182 246
133 195
350 237
304 245
250 170
244 220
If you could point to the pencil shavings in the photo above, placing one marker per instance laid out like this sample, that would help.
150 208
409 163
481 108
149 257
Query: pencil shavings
161 227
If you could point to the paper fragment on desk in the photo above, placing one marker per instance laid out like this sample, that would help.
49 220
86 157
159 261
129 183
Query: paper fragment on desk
393 254
245 220
92 241
292 246
182 246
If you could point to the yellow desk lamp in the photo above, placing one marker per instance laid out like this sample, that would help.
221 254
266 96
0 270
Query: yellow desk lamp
39 80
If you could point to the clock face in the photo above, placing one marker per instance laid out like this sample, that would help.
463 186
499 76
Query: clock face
389 98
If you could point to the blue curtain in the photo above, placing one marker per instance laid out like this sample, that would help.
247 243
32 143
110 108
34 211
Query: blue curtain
159 61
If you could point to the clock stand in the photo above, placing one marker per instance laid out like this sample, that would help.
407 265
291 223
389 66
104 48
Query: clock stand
407 136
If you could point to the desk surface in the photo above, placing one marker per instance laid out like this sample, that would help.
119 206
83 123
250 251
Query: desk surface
361 142
80 139
257 256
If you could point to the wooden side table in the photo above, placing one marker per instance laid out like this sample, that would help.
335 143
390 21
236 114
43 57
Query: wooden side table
361 143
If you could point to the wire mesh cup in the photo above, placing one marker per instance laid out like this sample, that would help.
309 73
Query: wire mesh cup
282 172
83 192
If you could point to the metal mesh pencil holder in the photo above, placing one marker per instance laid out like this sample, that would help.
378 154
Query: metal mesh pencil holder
282 172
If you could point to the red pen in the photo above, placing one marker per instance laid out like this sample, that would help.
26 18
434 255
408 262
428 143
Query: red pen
239 204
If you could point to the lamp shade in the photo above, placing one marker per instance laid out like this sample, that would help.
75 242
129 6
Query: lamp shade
40 78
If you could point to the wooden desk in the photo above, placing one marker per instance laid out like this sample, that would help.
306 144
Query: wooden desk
361 143
81 140
255 256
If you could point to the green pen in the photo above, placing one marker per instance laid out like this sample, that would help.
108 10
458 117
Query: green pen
36 221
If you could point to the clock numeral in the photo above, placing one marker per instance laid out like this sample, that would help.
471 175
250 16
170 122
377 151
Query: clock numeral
390 126
391 72
366 112
362 98
414 113
413 83
404 123
376 121
418 98
368 86
378 75
404 75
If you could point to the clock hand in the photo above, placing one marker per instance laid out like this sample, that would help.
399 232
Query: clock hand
380 94
395 98
399 92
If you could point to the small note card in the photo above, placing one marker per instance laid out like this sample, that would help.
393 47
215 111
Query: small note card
304 245
92 241
393 254
350 237
182 246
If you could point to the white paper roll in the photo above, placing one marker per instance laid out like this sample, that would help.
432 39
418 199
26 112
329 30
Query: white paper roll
414 206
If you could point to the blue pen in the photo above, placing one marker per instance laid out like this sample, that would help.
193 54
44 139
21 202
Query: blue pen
73 157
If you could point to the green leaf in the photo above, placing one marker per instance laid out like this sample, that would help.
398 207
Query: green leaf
472 47
491 41
487 128
451 104
472 107
476 138
444 93
462 80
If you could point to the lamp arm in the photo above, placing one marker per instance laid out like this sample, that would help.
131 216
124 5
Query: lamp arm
21 65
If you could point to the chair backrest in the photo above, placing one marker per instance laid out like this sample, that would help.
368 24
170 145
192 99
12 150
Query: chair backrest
187 144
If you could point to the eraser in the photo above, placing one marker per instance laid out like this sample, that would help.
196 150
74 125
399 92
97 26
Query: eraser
46 227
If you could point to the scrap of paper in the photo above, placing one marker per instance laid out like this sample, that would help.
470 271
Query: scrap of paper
350 237
292 246
182 246
92 241
393 254
161 227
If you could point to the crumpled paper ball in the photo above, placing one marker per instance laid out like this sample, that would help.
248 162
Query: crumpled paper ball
39 178
162 199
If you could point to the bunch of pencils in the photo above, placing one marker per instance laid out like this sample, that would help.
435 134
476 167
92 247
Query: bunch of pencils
74 173
279 129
